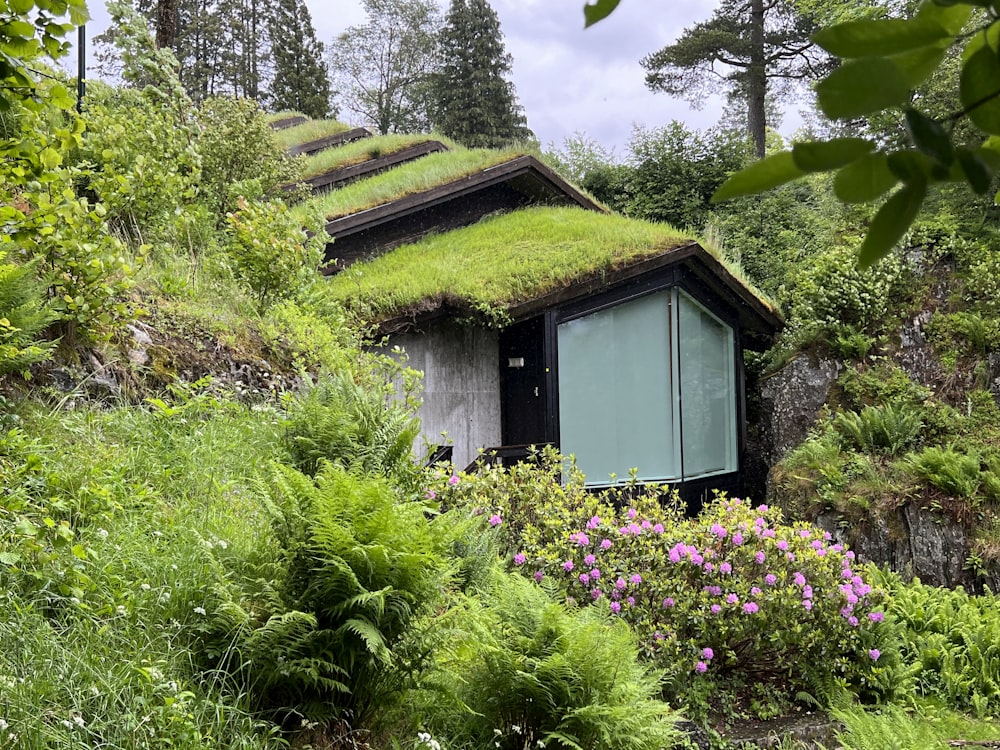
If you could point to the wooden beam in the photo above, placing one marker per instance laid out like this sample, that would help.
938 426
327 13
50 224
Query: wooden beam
329 141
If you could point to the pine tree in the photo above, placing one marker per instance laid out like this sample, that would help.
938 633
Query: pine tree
473 102
300 77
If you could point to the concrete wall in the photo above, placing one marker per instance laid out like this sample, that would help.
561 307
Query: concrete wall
461 395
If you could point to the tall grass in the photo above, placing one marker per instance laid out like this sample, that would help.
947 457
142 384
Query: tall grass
929 728
307 131
356 152
407 179
500 260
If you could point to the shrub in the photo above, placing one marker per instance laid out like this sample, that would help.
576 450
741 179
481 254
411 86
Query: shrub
523 672
889 429
23 316
732 593
273 254
360 426
952 472
361 568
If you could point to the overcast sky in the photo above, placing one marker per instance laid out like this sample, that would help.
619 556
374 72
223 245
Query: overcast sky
568 79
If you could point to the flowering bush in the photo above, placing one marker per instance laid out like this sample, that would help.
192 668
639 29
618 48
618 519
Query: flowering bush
732 594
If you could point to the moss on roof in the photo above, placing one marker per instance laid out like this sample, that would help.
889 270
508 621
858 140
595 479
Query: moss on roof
307 131
407 179
499 262
357 152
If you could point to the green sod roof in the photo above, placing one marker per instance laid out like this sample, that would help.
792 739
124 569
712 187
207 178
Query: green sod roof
366 149
415 177
502 262
307 131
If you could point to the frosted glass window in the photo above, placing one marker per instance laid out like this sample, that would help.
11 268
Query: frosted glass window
708 391
616 391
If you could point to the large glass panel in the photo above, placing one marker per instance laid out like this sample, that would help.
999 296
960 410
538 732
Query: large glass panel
615 391
708 391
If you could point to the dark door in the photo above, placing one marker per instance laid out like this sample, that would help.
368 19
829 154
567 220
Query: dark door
522 383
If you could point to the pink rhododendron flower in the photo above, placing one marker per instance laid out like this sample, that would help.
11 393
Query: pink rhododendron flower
589 560
539 575
568 566
852 621
430 494
454 480
807 604
876 616
707 654
725 568
519 558
594 522
755 591
768 533
646 525
762 509
620 583
631 513
737 539
719 531
701 667
495 520
668 602
709 567
605 544
770 579
631 601
715 609
635 579
874 654
751 608
804 533
584 578
759 558
732 599
782 545
616 607
596 574
596 594
799 579
658 528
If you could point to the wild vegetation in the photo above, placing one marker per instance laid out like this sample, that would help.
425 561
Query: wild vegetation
254 560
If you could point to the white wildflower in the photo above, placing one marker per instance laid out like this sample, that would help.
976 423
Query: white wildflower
200 610
3 724
144 586
103 533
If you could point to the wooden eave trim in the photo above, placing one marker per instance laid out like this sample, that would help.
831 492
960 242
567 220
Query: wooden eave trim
329 141
288 122
363 169
499 173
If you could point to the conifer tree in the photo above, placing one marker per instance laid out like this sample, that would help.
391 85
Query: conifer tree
473 102
300 77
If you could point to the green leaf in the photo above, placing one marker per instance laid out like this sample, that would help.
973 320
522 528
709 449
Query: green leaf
979 88
930 137
891 222
910 165
920 64
50 158
9 558
864 180
17 28
598 11
879 38
977 171
952 17
860 87
822 156
760 176
21 6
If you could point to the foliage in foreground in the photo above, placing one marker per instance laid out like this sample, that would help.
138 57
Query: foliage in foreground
731 600
521 670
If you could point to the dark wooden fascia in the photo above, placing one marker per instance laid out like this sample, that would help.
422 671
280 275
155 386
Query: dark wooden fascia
329 141
288 122
522 166
344 175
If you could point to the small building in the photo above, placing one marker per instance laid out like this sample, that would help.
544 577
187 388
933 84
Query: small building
617 341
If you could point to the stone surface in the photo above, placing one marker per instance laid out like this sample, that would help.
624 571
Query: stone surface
790 401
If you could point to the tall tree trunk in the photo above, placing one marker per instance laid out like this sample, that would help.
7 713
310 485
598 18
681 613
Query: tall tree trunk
166 23
757 78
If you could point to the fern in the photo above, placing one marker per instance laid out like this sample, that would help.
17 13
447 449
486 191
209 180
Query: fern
357 426
23 316
889 429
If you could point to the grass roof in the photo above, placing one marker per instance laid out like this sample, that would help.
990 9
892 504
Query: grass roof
366 149
499 262
423 174
307 131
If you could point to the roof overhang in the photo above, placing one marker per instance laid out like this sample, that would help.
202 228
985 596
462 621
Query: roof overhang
758 322
521 181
